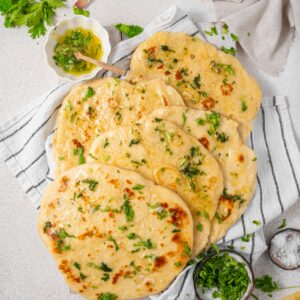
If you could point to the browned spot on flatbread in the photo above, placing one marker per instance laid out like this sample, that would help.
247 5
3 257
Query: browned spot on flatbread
177 216
65 268
208 103
63 184
115 183
226 89
227 204
204 141
178 75
160 261
77 143
241 158
116 276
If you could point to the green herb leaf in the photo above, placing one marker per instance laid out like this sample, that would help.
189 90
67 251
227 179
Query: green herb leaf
234 37
138 187
111 239
92 184
230 50
166 48
107 296
127 209
80 11
77 265
34 14
283 224
134 142
89 93
266 284
244 105
129 30
213 31
79 151
200 227
47 226
256 222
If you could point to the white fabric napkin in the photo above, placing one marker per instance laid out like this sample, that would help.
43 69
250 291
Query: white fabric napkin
23 138
266 30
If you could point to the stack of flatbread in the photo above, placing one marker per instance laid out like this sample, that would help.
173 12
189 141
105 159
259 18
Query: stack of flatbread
151 170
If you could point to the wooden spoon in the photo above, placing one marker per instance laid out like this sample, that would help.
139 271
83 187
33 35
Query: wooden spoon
100 64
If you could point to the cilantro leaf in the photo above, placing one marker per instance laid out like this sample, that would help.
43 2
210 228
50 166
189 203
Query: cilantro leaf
129 30
80 11
33 14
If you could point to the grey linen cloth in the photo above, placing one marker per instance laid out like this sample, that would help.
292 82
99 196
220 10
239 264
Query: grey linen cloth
24 137
266 30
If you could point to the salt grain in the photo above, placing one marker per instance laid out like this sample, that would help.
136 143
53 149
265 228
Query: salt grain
285 249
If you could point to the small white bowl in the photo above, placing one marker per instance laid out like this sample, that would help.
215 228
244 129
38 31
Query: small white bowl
72 23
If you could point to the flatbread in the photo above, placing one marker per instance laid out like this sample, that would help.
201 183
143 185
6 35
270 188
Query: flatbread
112 231
238 162
205 77
94 107
160 151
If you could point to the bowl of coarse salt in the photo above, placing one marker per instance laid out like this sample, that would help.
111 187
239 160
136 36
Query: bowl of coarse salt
284 249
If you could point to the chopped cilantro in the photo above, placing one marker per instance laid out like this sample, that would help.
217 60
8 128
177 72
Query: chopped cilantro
92 184
47 226
225 29
138 187
218 218
283 224
246 238
200 227
224 275
234 37
89 93
107 296
68 106
79 151
256 222
177 263
213 31
244 105
187 250
111 239
80 11
222 137
123 228
166 48
129 30
134 142
77 265
127 209
230 50
196 82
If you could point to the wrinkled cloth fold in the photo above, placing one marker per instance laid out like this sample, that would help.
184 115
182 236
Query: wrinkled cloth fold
25 143
266 30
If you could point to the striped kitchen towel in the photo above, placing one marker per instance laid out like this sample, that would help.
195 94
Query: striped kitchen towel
23 140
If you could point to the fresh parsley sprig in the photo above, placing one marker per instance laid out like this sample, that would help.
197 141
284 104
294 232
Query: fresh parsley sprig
33 14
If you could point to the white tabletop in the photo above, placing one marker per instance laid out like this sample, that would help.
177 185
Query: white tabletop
26 269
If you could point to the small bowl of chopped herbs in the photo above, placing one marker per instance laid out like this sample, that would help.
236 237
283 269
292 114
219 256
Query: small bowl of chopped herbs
223 274
75 34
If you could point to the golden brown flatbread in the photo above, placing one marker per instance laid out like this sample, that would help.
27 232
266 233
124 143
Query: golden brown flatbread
162 152
205 77
113 233
94 107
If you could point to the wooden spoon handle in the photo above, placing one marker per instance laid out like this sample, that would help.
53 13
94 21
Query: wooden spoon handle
105 66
